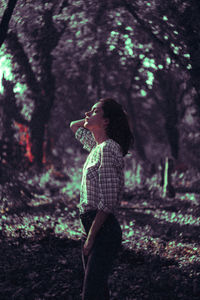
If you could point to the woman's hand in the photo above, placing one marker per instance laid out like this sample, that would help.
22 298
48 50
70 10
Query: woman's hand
88 245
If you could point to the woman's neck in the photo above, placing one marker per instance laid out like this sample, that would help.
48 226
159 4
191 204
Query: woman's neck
100 137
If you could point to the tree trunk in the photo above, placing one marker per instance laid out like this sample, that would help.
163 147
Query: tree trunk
43 92
6 19
191 22
166 178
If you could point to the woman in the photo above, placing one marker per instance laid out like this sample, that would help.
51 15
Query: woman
105 133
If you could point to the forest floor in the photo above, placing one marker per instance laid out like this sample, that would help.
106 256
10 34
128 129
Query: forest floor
40 247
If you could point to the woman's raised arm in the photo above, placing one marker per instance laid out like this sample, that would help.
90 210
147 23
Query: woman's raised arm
76 124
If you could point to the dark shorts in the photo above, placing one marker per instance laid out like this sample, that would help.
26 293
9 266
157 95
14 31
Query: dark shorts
98 264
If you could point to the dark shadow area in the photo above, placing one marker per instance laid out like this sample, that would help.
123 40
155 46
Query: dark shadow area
41 208
51 268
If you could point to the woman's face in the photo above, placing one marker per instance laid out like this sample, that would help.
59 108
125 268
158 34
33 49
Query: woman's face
94 118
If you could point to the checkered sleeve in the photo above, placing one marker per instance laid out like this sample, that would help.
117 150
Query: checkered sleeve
85 137
108 181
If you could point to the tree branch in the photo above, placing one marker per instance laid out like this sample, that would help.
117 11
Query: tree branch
21 58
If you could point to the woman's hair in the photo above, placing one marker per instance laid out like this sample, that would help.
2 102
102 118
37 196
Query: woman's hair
118 128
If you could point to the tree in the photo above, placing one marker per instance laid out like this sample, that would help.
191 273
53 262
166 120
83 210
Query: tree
6 19
68 54
46 39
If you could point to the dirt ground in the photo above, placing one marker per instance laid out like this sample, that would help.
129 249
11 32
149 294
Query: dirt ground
40 251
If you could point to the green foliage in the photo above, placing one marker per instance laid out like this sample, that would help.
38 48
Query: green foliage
5 68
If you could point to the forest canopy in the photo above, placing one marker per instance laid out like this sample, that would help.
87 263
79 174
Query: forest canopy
59 57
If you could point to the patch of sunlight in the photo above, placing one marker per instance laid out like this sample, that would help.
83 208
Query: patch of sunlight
150 79
166 37
149 63
78 33
45 178
187 55
61 227
129 28
133 179
165 18
20 88
172 217
140 239
176 50
191 197
184 252
129 46
118 14
40 200
175 32
141 56
148 4
129 51
112 40
123 60
27 110
72 187
160 67
168 60
114 33
111 47
128 42
5 68
6 72
140 46
189 67
72 17
146 63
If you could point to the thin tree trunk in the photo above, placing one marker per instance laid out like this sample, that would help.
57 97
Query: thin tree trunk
6 19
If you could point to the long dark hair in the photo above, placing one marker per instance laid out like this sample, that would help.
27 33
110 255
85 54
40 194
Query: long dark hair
118 128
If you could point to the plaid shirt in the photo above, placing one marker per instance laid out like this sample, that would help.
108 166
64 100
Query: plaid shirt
103 176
